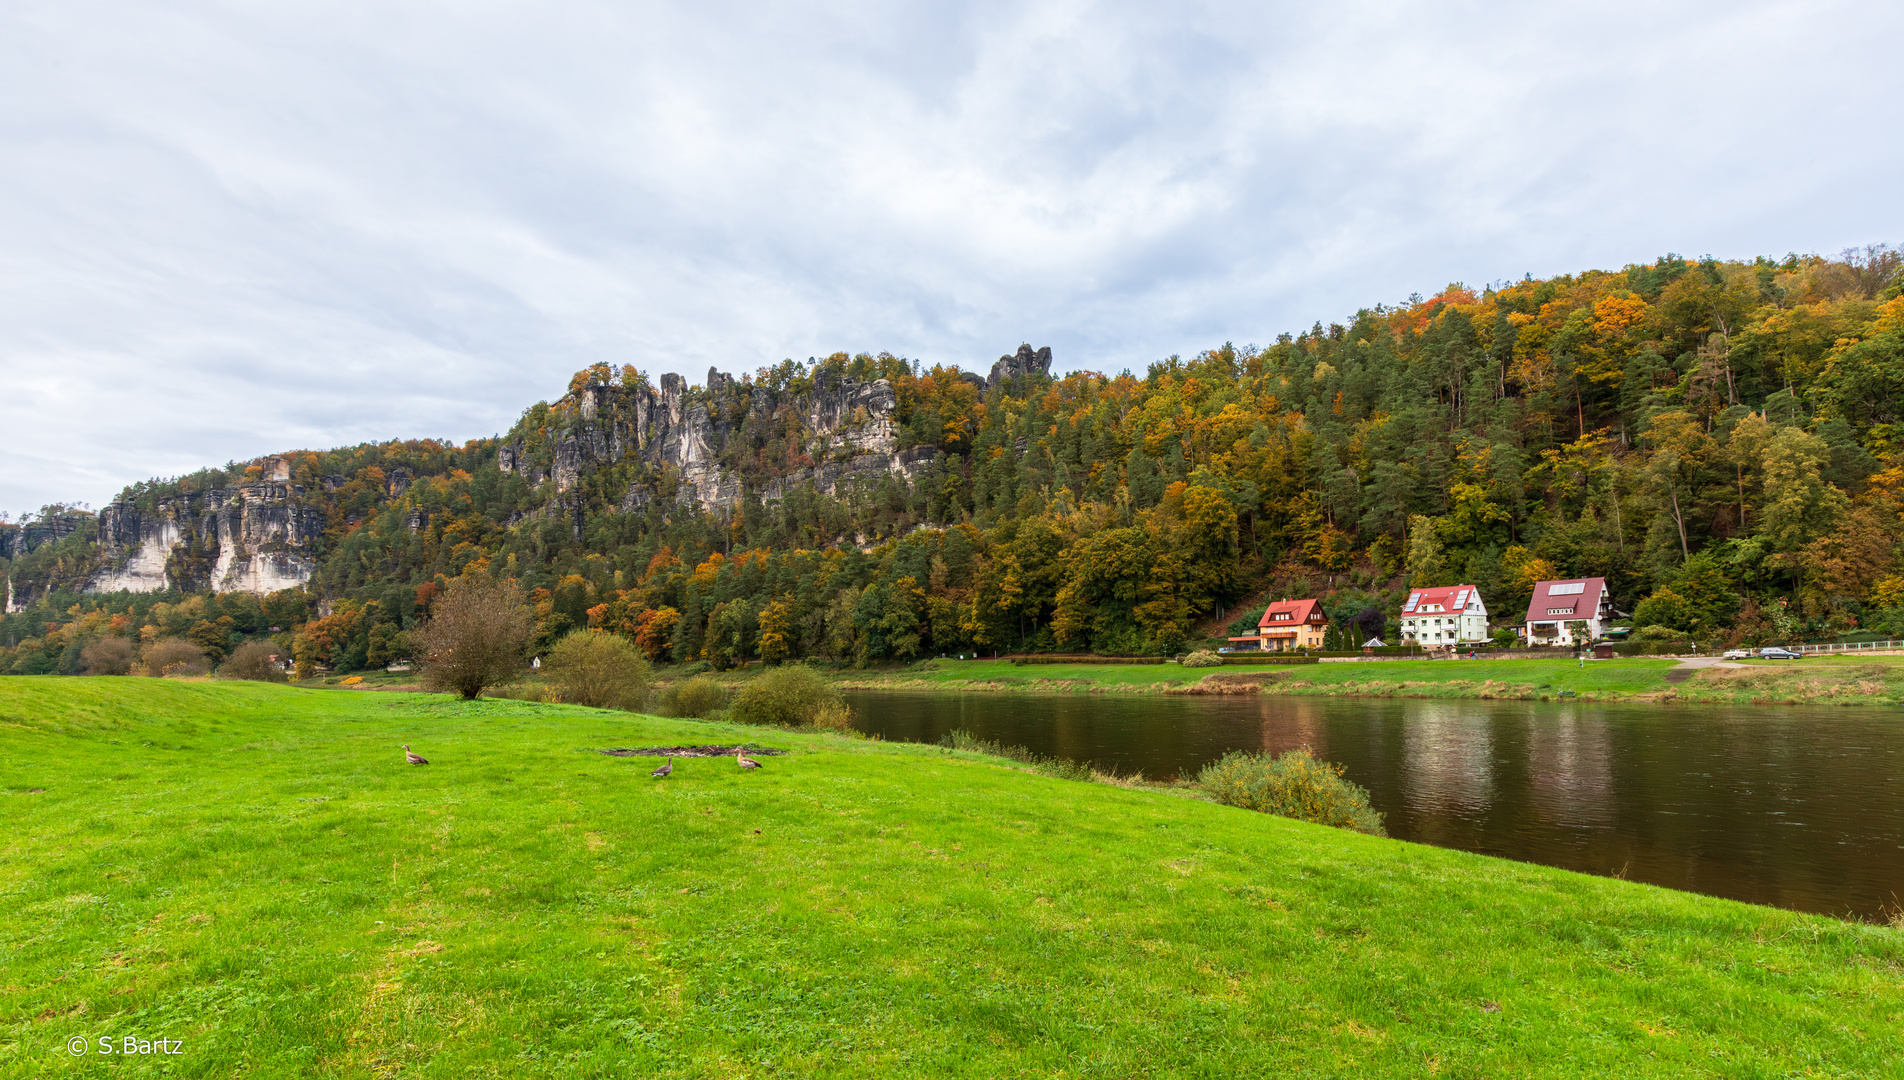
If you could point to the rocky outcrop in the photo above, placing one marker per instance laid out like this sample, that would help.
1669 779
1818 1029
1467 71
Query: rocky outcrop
1024 362
254 537
845 424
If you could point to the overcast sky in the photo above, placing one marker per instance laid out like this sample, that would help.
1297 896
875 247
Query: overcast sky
228 229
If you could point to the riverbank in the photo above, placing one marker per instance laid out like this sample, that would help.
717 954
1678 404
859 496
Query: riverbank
254 871
1833 680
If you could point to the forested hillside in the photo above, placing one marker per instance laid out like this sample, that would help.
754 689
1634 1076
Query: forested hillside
1719 440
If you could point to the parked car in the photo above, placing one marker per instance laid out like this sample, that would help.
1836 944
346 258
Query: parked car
1778 653
1737 654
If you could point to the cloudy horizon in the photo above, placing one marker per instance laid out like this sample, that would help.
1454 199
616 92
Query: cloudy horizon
234 229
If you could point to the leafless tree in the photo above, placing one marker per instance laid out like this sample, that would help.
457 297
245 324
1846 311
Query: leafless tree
477 634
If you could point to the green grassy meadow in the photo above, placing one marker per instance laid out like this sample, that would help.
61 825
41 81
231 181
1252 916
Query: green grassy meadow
252 870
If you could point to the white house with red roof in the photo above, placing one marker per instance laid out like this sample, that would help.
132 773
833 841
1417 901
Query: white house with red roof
1558 608
1286 625
1450 615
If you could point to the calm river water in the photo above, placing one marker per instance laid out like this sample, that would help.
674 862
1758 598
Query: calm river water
1800 808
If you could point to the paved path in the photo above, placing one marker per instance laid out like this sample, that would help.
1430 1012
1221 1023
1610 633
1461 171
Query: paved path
1692 665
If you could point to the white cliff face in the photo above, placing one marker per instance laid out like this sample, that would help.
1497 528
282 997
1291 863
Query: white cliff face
144 569
258 534
844 423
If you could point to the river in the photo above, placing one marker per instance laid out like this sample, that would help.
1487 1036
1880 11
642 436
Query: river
1796 807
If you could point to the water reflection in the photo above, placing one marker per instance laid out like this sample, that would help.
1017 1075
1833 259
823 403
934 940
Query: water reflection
1801 808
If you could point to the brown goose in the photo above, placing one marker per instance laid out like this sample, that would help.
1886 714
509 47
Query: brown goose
414 759
662 772
745 762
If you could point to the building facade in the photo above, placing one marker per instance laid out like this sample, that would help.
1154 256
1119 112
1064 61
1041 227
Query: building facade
1445 617
1567 612
1287 625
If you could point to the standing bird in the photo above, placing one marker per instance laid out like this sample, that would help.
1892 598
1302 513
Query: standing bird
414 759
662 772
745 762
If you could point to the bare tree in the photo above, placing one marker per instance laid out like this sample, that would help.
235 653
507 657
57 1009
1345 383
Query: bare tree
476 636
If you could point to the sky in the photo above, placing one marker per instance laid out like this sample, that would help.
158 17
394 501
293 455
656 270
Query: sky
234 228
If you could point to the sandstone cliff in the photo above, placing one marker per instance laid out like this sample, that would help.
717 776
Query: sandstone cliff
252 537
843 425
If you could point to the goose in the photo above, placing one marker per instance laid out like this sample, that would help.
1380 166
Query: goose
662 772
745 762
414 759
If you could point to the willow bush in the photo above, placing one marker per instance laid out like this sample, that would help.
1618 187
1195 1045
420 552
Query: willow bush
1295 784
604 671
791 695
699 697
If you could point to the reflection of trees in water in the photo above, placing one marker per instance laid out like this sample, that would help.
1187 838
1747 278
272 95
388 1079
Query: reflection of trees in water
1799 807
1448 752
1288 723
1569 763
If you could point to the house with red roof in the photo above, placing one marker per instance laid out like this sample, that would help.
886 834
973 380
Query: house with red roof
1444 617
1567 611
1286 625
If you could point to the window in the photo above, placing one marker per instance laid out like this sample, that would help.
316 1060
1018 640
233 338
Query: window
1569 588
1560 611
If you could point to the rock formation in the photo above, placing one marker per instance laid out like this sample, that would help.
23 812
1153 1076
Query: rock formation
1024 362
252 537
845 425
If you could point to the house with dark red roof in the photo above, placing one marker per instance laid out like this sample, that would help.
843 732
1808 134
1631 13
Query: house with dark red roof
1286 625
1444 617
1567 611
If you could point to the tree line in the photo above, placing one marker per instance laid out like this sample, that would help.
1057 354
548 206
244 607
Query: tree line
1718 439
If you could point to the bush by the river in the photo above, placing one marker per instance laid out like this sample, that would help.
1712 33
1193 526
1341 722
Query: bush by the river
1202 658
1295 784
603 671
699 697
792 695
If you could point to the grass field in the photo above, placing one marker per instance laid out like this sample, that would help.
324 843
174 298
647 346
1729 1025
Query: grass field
1875 680
253 871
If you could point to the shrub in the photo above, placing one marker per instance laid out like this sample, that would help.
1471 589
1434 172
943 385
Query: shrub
1293 785
173 656
108 656
699 697
255 661
520 691
1202 658
476 636
791 696
835 716
601 670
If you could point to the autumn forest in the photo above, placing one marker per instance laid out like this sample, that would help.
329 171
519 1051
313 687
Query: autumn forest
1720 440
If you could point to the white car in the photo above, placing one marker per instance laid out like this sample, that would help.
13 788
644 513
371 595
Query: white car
1738 654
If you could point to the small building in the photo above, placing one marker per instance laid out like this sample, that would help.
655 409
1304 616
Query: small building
1286 625
1444 617
1558 608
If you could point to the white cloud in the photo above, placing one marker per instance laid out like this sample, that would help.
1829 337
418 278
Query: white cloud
234 228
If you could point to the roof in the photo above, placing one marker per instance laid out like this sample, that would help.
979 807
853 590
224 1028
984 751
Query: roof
1298 610
1450 597
1581 595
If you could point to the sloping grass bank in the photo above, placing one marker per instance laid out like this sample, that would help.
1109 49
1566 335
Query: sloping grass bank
252 871
1835 680
1813 681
